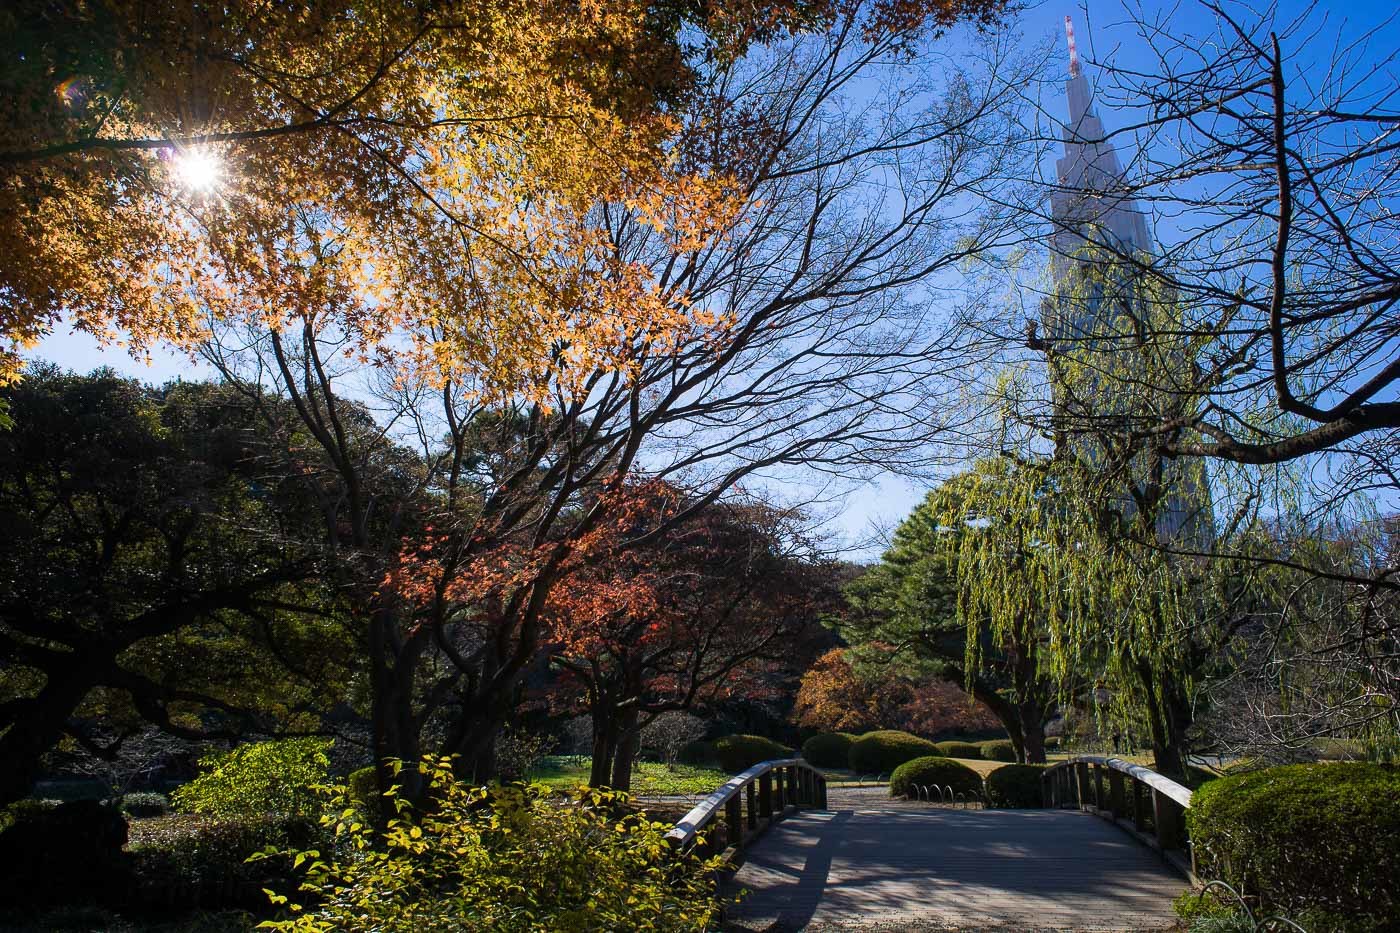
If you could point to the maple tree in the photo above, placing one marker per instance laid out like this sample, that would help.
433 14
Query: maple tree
838 696
423 171
469 474
682 619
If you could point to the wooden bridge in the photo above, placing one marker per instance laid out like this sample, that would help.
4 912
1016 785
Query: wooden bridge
816 858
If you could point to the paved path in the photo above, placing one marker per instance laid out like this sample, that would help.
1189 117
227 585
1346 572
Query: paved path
871 863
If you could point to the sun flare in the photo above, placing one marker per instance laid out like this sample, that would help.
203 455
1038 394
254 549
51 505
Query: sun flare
198 170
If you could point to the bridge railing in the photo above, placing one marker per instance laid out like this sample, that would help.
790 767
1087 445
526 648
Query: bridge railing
1149 805
750 802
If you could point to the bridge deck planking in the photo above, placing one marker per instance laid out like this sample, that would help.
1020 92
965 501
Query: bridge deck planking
890 869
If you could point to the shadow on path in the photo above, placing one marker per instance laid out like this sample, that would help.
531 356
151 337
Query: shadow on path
938 868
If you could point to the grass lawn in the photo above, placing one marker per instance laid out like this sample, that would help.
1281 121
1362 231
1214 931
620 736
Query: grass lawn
649 778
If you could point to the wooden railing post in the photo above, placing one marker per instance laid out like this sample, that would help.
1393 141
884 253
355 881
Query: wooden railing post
1115 793
765 796
734 820
1081 769
1167 817
821 791
794 797
751 793
1139 808
779 792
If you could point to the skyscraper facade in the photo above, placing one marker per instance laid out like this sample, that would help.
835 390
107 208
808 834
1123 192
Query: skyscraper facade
1101 305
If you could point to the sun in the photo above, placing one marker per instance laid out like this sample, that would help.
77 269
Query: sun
198 170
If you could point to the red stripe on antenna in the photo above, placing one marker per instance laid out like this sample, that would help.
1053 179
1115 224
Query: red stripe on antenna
1073 50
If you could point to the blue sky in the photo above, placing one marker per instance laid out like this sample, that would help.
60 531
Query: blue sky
1103 31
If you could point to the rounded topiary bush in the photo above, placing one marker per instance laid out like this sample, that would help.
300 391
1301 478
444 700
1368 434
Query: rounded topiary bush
881 752
1307 840
696 752
145 805
829 749
999 750
1015 787
738 752
936 769
961 749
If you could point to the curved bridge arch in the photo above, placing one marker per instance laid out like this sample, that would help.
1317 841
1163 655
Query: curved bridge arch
852 858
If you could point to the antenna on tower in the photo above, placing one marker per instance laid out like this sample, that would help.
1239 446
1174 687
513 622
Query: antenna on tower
1073 49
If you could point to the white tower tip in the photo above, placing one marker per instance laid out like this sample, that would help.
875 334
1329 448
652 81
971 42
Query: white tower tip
1073 50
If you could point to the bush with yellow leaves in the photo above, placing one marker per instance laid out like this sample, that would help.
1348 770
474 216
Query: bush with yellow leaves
511 858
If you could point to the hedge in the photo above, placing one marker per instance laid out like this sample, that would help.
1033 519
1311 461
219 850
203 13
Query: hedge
696 752
56 852
934 769
881 752
739 752
828 749
185 861
1310 841
961 749
1015 787
999 750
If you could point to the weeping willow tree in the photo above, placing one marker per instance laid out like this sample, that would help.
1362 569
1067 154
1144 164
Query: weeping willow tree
1091 541
904 612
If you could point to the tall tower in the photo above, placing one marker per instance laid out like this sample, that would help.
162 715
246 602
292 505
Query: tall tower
1091 189
1092 209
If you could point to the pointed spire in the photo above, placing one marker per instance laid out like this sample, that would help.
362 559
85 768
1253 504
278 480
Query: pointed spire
1089 174
1073 49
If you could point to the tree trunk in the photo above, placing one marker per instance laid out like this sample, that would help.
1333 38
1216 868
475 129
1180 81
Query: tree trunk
40 727
1177 713
1168 733
605 742
628 742
1025 676
998 705
1032 718
393 730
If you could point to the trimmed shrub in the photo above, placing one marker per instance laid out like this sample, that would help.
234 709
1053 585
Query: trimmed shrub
145 805
999 750
188 861
881 752
960 749
828 749
698 752
1015 787
739 752
1315 841
934 769
258 778
62 851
